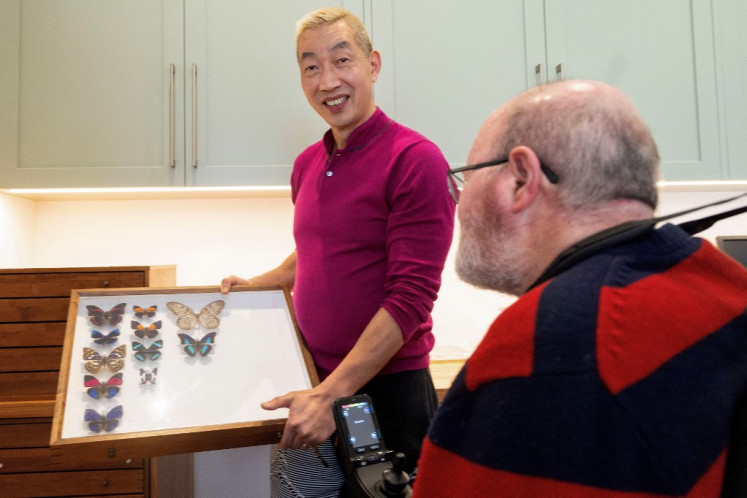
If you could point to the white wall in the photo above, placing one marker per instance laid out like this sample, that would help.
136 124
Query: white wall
210 238
16 232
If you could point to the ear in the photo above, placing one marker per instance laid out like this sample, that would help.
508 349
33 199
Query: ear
375 60
524 167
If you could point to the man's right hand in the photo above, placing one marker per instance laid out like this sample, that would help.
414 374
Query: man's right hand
230 281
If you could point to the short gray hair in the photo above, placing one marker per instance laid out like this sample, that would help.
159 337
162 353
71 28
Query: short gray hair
600 148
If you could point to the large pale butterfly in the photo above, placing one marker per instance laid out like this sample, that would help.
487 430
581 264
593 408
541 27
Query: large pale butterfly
114 361
193 346
105 339
97 389
100 317
148 376
187 319
152 352
149 331
148 312
107 423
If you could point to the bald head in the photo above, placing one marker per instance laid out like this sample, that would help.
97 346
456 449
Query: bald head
588 132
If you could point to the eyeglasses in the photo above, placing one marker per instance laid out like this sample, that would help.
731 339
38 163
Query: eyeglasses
455 177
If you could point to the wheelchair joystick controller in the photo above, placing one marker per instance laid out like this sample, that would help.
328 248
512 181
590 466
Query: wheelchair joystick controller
395 481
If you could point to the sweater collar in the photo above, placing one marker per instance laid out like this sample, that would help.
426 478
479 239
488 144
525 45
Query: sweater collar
361 136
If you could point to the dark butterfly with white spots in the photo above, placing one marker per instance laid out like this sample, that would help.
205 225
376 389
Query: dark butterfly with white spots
148 312
152 352
149 331
97 389
148 376
114 361
105 339
107 423
187 319
194 347
100 317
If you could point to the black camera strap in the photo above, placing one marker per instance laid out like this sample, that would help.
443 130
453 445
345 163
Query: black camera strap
630 230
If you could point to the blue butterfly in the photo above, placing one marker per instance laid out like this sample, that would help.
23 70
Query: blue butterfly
108 422
104 339
193 346
97 389
151 352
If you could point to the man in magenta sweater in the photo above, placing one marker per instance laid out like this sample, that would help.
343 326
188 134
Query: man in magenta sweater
373 224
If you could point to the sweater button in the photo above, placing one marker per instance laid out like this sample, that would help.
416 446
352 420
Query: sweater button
328 173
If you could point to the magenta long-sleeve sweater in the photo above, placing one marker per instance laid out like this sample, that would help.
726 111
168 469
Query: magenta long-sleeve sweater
373 225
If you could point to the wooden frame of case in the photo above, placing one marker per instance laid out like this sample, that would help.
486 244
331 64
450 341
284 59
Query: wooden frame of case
231 359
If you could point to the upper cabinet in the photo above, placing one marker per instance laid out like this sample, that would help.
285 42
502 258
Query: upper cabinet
731 38
148 93
452 65
85 92
207 92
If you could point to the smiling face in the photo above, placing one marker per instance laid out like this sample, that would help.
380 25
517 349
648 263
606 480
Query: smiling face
337 77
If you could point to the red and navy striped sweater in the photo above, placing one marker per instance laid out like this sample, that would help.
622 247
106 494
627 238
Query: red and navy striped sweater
618 377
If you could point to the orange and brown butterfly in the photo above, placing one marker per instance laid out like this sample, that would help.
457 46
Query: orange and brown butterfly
149 331
142 312
100 317
187 319
95 361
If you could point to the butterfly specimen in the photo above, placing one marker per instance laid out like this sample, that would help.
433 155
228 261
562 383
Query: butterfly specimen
187 319
114 361
105 339
193 346
152 352
97 389
108 422
100 317
148 376
148 312
149 331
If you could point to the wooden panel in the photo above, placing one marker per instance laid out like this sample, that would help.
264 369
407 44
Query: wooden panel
30 359
28 385
45 309
25 435
60 284
32 334
45 460
89 482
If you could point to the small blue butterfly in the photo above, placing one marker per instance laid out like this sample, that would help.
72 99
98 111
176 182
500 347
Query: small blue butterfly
104 339
152 352
193 346
108 422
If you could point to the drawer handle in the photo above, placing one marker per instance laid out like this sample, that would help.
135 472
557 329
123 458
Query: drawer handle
105 283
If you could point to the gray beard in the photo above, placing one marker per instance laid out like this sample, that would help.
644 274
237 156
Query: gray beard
496 264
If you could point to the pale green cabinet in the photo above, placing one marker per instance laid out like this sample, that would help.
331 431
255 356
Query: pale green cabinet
731 38
453 62
151 93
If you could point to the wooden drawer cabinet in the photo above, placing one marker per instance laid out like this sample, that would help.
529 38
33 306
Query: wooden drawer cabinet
33 311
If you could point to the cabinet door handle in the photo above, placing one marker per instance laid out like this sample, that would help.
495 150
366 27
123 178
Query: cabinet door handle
538 73
559 76
172 116
194 115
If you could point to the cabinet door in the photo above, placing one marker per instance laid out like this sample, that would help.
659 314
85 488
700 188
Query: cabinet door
246 115
731 18
446 65
85 97
662 55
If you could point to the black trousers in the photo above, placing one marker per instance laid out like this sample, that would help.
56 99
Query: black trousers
405 403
